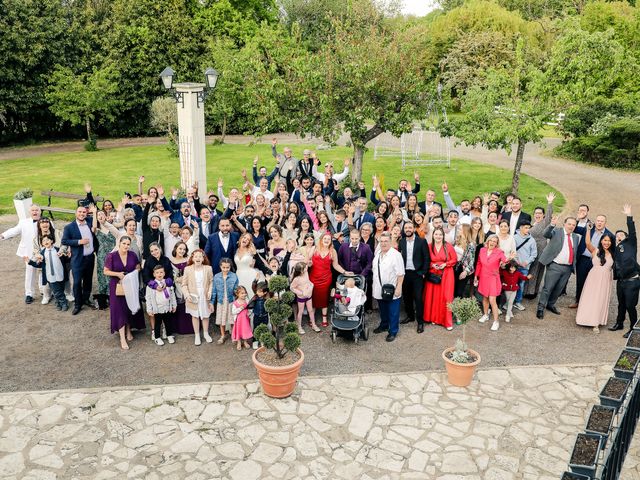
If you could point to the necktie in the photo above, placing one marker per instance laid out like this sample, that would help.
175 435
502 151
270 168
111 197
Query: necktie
353 251
570 248
339 227
52 268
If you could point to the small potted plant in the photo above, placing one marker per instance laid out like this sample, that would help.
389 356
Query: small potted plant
22 201
613 393
460 360
626 365
633 342
584 458
600 421
279 359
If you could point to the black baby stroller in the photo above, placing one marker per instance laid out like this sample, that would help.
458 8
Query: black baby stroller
349 322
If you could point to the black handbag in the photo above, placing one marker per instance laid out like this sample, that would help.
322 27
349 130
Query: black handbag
435 278
388 290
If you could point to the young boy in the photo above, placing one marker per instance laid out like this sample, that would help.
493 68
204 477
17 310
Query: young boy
161 304
256 305
53 271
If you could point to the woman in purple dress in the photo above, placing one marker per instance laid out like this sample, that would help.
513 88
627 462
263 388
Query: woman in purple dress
179 258
116 265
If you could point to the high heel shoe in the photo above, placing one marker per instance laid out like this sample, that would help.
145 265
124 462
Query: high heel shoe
324 321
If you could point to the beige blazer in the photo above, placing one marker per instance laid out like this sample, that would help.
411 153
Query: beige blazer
189 285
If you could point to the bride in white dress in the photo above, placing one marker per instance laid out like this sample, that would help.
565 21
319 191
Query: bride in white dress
244 260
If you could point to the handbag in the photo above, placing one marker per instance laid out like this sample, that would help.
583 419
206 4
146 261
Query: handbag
388 290
119 290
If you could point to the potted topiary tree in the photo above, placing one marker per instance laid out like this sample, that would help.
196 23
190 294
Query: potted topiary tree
22 200
279 359
460 360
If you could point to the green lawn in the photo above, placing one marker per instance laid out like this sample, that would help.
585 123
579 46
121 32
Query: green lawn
114 171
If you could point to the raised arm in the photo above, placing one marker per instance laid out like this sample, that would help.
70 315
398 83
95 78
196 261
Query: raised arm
587 240
447 197
224 199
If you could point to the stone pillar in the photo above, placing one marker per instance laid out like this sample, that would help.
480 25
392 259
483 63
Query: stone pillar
191 139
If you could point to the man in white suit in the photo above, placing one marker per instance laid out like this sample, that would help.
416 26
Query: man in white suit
27 229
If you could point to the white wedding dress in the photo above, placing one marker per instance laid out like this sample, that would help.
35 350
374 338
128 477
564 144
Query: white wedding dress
246 273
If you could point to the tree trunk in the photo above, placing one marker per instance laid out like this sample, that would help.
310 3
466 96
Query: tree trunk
88 123
359 149
515 183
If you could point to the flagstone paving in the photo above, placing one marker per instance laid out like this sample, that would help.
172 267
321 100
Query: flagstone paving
516 423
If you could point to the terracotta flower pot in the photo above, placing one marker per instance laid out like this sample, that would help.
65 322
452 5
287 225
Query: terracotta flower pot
278 382
460 374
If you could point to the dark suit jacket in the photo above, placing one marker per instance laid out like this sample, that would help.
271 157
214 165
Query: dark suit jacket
214 251
71 236
556 241
179 219
361 264
365 218
521 219
421 259
423 208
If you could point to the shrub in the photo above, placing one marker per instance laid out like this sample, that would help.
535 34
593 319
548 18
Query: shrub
22 194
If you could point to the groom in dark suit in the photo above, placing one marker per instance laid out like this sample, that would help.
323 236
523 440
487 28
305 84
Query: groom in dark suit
221 245
83 243
415 256
560 260
355 256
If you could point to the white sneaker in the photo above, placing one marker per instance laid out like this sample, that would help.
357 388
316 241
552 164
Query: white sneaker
171 339
197 340
508 318
164 332
153 335
519 306
495 326
45 300
483 318
70 298
207 337
159 341
301 331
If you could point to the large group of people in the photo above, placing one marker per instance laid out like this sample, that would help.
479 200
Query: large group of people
182 259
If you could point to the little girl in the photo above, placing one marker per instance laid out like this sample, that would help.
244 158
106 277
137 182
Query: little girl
196 288
302 287
161 304
224 284
510 278
350 297
241 325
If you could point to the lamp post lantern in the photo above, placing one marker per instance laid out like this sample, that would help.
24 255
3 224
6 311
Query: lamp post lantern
190 99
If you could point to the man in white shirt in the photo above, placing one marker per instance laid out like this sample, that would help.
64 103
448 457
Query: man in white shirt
27 229
388 269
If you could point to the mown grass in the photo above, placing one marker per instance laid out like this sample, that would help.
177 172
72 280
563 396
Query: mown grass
113 171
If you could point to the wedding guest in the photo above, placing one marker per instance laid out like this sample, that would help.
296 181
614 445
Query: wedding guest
388 269
197 285
415 258
487 278
438 292
593 309
541 220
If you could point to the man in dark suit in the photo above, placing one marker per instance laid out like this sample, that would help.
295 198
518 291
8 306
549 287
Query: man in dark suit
355 256
221 245
559 258
191 199
516 216
415 256
363 215
184 216
627 273
208 226
83 243
584 262
430 201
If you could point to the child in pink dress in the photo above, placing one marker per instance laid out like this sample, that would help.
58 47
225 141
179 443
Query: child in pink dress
302 287
242 325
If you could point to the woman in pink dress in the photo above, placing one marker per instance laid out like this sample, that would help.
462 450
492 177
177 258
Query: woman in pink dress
593 309
438 295
487 279
323 258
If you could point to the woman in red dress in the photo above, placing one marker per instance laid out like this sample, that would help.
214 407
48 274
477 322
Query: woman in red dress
487 279
438 295
323 257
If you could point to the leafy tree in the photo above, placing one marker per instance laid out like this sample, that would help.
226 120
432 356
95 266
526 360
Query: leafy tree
83 98
509 109
164 118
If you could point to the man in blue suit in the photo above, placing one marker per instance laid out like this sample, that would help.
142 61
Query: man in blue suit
83 243
184 216
221 245
584 261
362 215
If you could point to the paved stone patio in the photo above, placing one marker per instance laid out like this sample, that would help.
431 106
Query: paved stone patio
516 423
